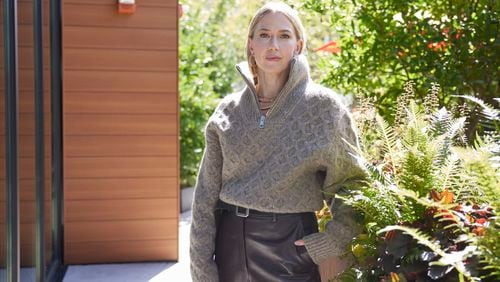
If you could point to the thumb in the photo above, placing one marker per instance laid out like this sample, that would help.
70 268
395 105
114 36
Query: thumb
299 242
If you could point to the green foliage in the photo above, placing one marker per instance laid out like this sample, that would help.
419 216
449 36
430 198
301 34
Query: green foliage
489 247
352 275
206 73
455 259
425 188
483 164
386 42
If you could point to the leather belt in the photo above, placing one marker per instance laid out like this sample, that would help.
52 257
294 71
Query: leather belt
246 212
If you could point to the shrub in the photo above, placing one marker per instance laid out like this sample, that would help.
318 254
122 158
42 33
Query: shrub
206 73
430 204
385 43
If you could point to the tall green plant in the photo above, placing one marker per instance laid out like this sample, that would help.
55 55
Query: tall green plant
433 200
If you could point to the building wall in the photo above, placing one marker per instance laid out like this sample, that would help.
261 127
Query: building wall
120 126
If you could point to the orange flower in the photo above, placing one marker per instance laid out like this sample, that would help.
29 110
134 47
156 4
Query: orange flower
447 196
479 231
330 47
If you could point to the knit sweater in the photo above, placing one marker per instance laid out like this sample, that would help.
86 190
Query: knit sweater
286 161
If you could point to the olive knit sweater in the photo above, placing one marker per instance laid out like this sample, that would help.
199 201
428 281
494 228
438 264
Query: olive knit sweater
285 162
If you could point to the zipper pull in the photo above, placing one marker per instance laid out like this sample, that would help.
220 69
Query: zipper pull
262 121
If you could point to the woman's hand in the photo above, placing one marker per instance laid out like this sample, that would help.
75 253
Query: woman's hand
299 242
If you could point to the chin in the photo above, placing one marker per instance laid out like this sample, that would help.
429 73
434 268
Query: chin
274 69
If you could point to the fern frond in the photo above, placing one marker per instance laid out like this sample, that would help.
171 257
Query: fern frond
388 138
413 195
447 172
417 168
440 121
446 140
412 257
375 172
490 116
456 126
488 110
419 236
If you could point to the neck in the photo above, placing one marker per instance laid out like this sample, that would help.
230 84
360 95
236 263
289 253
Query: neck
271 84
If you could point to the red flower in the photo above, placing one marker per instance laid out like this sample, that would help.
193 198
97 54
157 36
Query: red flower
437 47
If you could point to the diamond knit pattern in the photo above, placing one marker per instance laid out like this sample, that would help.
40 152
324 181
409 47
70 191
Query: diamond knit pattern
298 159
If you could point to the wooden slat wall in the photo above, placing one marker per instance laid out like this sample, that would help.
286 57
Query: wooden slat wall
26 145
120 104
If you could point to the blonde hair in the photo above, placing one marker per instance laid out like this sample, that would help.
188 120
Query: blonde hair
273 7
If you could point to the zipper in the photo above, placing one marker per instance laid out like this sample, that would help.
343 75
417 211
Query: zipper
262 121
262 116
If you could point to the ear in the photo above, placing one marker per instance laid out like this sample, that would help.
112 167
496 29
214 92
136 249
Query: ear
250 45
300 45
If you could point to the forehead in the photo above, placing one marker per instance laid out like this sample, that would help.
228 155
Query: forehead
274 21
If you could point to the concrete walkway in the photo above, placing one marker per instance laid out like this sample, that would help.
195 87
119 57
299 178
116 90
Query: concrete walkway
139 272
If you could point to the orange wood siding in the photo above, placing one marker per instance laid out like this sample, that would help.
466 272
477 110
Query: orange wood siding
121 148
26 131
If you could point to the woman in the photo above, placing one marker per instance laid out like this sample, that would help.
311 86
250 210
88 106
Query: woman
274 152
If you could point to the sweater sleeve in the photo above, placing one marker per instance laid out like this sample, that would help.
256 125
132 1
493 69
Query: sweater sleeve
206 194
343 172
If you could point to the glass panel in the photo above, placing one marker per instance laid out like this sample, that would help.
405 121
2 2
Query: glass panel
3 192
26 145
47 138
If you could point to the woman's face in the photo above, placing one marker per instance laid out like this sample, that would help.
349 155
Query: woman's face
274 43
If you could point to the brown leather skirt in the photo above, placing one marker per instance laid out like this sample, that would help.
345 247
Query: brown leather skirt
260 247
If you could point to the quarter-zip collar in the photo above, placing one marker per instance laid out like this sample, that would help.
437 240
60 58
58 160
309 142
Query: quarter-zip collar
287 98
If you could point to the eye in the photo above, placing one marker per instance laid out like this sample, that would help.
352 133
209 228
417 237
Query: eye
285 36
264 35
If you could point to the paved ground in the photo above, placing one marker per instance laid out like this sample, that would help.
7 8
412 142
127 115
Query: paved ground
139 272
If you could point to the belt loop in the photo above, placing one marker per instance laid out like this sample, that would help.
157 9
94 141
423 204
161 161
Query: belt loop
274 217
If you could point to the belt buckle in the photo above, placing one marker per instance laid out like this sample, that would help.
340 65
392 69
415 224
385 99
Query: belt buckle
242 214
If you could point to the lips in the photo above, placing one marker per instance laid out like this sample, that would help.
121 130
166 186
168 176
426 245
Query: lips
273 58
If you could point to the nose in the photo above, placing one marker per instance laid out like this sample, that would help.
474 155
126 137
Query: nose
273 43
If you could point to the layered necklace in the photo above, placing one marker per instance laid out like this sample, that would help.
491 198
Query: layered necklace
265 103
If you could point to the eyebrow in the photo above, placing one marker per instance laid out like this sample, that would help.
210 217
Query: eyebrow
281 30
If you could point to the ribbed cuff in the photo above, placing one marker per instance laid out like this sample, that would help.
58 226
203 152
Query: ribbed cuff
318 246
331 243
